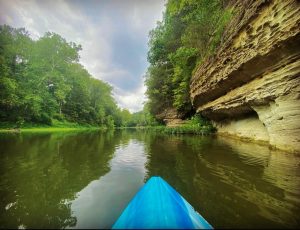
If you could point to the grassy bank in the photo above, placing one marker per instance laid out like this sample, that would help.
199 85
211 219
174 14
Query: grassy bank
185 129
57 126
196 125
158 129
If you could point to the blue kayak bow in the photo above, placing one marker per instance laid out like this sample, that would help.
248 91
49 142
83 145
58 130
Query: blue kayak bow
158 205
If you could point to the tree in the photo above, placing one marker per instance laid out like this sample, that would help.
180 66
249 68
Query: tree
190 32
42 80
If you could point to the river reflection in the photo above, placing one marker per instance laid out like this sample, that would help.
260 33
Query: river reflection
41 174
232 183
101 202
84 180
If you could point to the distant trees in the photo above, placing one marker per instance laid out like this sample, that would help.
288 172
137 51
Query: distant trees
190 31
141 118
42 80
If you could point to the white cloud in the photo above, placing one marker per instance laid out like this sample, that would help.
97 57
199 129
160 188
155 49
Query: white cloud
131 100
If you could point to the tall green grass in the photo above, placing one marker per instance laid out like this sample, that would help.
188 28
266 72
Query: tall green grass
57 126
196 125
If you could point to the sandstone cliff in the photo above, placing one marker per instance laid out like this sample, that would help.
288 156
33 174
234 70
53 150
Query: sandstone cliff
171 117
250 88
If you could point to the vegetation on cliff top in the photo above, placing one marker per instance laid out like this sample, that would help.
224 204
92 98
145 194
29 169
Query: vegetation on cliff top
190 31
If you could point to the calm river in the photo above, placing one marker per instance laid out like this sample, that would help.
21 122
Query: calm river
86 179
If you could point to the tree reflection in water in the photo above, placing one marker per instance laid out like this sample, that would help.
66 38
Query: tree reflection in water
42 173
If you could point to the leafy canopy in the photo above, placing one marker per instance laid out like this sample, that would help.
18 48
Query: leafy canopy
42 80
190 32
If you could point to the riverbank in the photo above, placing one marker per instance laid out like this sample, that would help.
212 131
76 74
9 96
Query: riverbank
196 125
185 129
157 129
48 129
58 126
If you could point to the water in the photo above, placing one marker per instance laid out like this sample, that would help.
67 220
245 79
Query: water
86 179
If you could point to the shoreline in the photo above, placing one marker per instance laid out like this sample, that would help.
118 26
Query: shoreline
157 129
48 129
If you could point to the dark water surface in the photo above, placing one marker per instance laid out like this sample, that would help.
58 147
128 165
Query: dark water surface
85 180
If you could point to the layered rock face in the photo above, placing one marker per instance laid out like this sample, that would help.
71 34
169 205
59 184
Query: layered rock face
251 87
171 117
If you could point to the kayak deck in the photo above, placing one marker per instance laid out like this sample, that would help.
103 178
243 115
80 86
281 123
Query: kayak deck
158 205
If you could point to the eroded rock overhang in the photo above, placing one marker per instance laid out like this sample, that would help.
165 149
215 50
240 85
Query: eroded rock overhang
251 87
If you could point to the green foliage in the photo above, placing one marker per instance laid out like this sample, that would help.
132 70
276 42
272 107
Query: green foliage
183 61
196 125
198 120
205 20
42 80
182 130
139 119
110 122
190 31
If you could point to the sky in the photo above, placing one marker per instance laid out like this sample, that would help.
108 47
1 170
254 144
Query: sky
113 35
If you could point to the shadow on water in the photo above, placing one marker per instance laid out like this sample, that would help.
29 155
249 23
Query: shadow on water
85 180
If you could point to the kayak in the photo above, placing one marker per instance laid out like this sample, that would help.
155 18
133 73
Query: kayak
158 205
